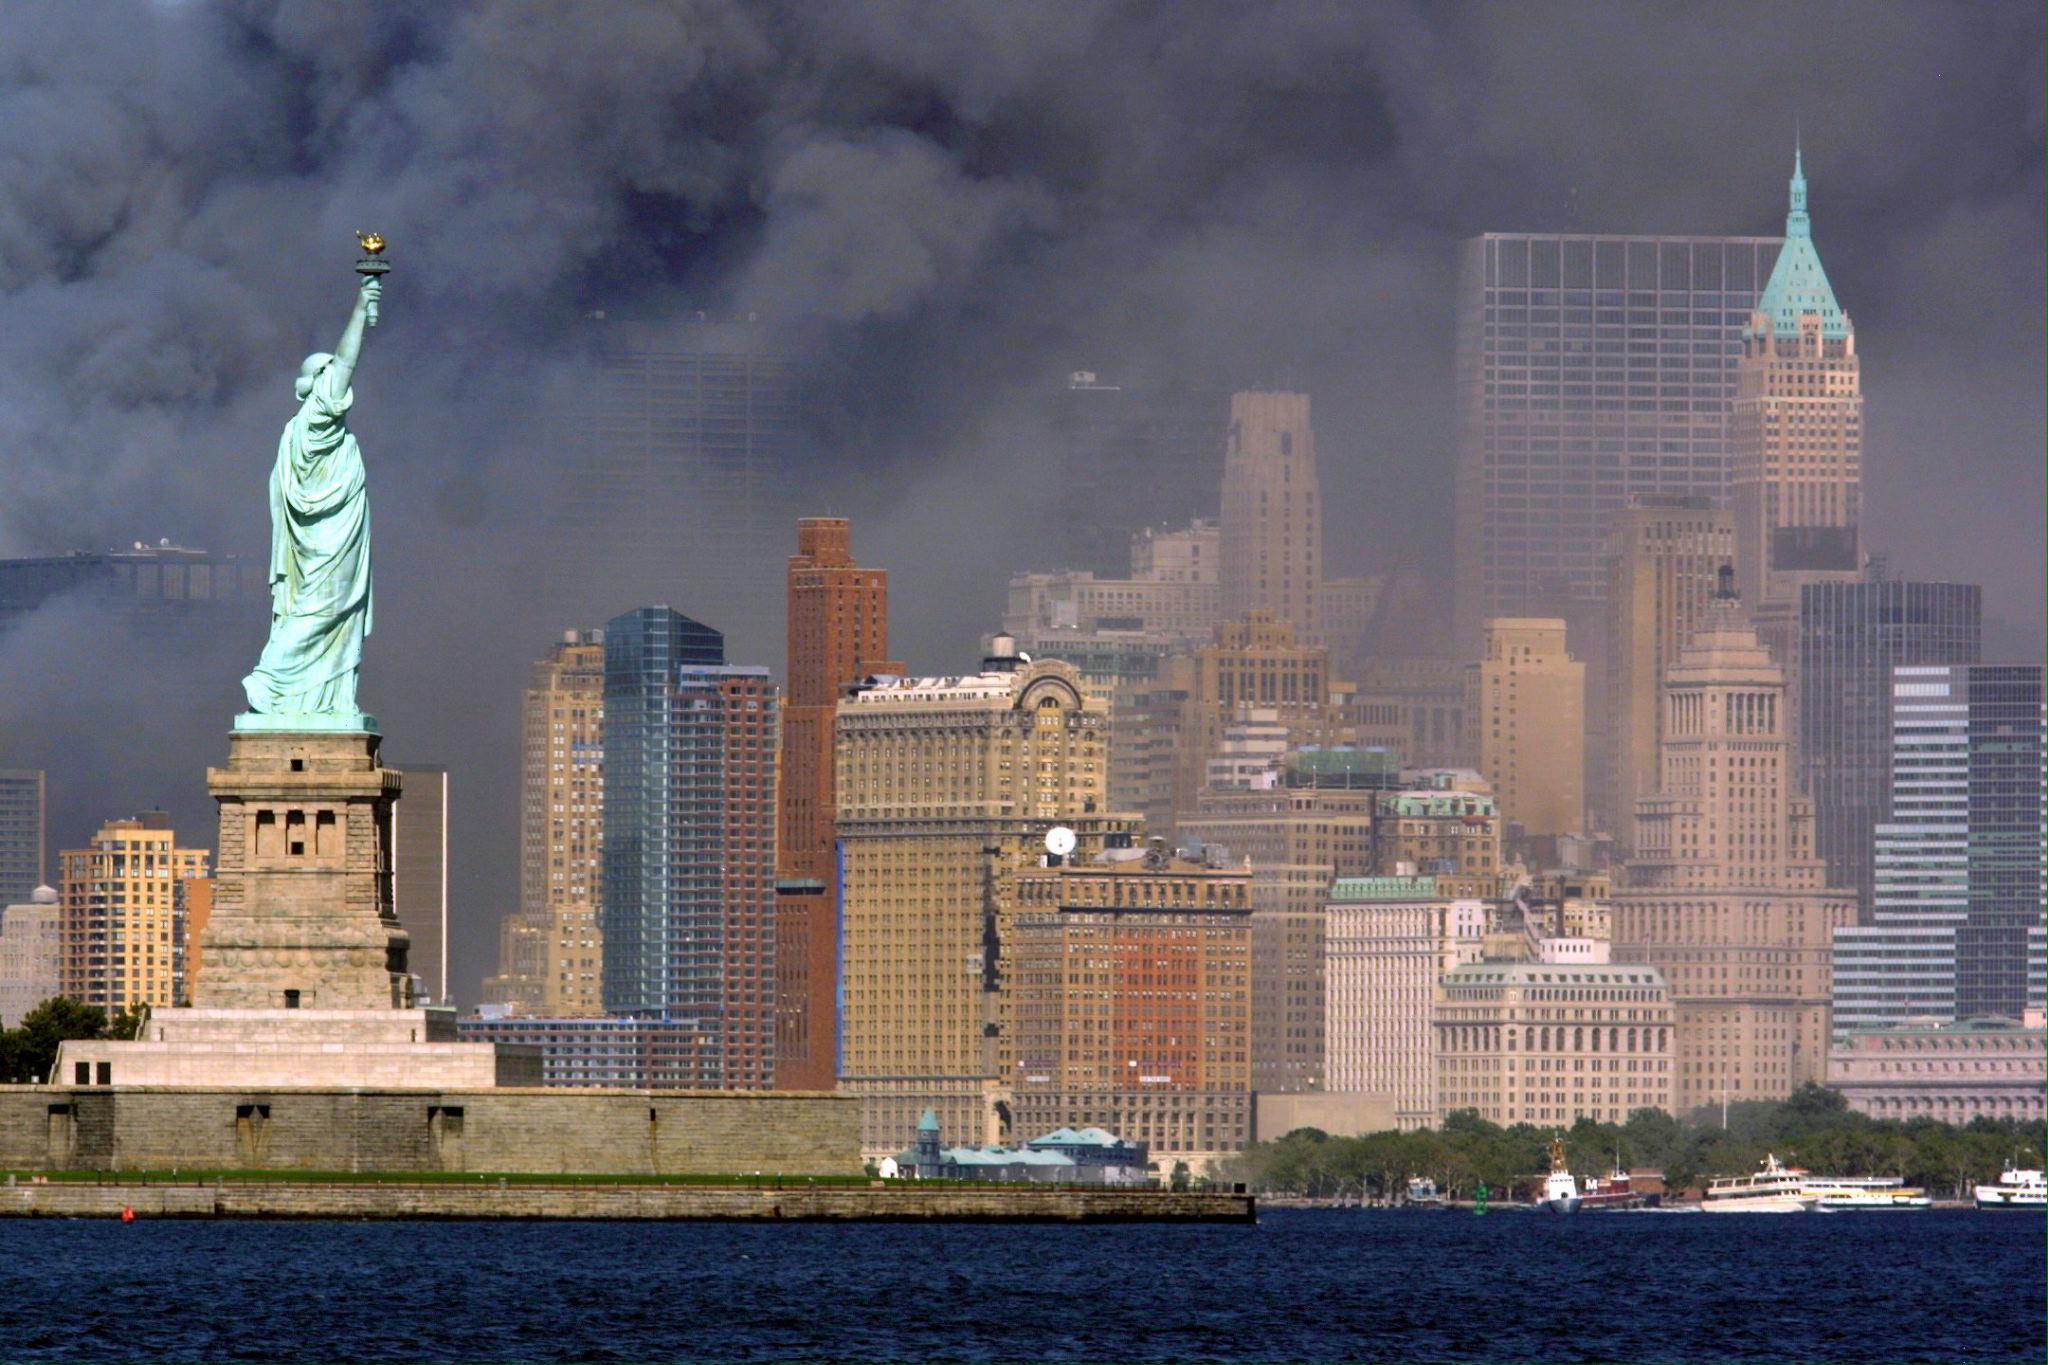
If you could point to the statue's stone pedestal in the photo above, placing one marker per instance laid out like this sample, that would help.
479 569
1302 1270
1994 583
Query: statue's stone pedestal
346 1049
302 978
302 910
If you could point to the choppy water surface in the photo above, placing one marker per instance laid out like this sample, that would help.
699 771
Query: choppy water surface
1302 1285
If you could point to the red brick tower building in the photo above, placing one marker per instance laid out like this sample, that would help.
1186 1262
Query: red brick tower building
838 632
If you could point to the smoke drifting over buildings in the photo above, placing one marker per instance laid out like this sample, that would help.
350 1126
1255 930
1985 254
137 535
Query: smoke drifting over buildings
958 214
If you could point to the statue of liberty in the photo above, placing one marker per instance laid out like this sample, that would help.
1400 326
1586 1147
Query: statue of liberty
319 544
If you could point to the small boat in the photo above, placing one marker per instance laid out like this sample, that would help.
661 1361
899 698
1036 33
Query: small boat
1422 1194
1560 1187
1775 1188
1611 1192
2016 1189
1864 1194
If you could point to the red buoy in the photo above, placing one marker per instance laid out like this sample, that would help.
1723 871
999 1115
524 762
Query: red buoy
127 1215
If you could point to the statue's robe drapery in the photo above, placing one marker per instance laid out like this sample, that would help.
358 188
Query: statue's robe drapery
319 563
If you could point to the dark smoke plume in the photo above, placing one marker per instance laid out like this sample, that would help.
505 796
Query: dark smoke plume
963 202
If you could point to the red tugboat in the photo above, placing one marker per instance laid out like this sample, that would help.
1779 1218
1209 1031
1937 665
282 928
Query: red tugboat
1612 1191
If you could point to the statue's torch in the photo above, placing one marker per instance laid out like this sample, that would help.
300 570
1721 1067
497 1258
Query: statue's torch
371 264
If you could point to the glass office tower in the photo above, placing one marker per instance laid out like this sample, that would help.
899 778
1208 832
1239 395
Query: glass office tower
1957 918
1851 637
22 833
644 650
1590 370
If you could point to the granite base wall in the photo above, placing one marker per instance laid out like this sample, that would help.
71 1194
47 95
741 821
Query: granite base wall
923 1201
543 1131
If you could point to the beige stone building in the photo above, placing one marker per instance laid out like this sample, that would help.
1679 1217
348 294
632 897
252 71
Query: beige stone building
1272 512
1388 943
1725 893
1664 558
1525 713
520 983
1043 604
947 787
31 954
124 913
561 827
1297 840
1131 995
1549 1043
1179 554
1347 609
1254 666
1428 697
1953 1073
1436 831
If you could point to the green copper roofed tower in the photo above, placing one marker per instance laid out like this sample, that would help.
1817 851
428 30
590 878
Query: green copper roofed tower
1798 285
1796 437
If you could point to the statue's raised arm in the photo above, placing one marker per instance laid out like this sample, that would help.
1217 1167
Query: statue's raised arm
351 344
320 608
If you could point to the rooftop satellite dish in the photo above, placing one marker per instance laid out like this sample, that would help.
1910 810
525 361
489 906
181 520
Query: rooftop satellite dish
1060 841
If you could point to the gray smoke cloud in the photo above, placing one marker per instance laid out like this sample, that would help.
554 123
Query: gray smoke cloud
966 201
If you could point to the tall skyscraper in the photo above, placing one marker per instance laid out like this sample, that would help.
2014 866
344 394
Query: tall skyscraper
124 914
721 908
838 633
1591 370
1272 511
24 807
1124 455
1525 703
1796 437
1851 636
690 435
1957 929
946 787
1664 560
644 651
419 874
1725 893
561 831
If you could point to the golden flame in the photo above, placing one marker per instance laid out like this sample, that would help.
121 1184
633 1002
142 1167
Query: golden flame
373 242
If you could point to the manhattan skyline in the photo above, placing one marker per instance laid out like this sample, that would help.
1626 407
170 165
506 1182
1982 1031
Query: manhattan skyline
951 223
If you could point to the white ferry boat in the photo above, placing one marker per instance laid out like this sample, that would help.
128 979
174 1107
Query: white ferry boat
1864 1194
2016 1189
1775 1188
1560 1187
1422 1193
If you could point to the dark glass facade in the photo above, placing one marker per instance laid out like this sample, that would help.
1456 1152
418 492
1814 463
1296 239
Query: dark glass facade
21 834
1124 457
1998 949
643 652
685 450
1851 636
1590 370
1957 926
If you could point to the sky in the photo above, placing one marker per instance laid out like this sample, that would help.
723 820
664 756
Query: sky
967 202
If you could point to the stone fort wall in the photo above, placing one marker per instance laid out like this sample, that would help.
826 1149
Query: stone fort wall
552 1131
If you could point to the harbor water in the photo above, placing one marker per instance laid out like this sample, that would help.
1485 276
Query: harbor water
1303 1284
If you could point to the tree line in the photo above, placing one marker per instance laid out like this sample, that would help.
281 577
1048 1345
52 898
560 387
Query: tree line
29 1049
1813 1128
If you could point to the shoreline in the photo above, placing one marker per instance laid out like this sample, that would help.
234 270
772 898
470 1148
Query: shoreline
637 1202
